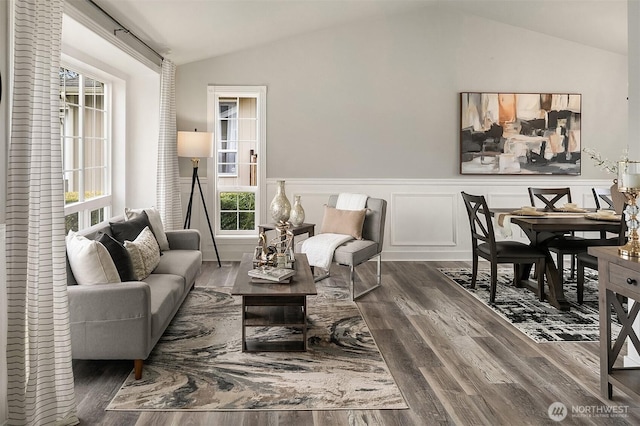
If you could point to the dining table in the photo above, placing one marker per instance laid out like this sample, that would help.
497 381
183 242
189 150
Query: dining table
541 227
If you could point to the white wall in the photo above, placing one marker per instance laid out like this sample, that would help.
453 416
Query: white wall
374 107
143 121
379 99
136 102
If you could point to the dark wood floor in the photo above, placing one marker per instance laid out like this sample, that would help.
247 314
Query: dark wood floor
454 360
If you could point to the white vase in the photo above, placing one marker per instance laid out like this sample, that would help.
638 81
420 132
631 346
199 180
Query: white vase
280 207
297 212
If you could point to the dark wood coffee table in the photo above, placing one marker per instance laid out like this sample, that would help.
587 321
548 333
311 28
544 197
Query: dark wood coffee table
274 305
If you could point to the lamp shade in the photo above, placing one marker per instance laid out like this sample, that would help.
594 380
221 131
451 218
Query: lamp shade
195 144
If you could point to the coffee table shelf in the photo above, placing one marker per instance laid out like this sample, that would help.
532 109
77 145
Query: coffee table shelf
285 316
283 346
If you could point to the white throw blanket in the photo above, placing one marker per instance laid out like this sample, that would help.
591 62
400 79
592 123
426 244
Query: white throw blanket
348 201
319 248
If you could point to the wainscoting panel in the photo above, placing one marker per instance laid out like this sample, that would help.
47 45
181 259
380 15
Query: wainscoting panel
426 218
423 219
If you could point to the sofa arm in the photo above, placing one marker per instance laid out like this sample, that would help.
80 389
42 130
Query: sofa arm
184 239
110 321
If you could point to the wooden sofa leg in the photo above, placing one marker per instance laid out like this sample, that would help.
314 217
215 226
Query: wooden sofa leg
137 368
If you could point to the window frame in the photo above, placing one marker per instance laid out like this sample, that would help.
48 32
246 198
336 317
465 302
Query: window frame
83 207
227 150
214 94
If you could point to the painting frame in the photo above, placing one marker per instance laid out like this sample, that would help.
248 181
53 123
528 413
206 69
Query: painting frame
520 133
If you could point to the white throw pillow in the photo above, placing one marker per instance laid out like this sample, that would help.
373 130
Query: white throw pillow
144 253
90 261
156 224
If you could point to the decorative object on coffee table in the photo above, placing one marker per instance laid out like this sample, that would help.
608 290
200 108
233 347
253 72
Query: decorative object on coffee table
278 251
629 185
272 274
280 207
297 212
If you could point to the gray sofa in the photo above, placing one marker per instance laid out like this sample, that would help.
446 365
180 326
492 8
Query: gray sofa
125 320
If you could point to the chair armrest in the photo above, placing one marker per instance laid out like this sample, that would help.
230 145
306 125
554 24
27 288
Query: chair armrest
184 239
110 321
109 301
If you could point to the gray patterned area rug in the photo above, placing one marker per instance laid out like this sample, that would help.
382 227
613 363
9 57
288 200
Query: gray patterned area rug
538 320
198 364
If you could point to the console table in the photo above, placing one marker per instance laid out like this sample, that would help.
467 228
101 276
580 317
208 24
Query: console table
617 276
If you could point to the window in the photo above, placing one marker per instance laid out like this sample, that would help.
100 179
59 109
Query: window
227 144
86 147
236 117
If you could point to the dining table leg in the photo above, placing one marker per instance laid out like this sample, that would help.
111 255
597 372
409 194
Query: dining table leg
555 295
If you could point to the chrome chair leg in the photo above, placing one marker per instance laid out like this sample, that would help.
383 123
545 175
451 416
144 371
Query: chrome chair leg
321 277
378 279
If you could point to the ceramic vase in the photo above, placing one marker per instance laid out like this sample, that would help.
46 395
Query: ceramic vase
297 212
280 207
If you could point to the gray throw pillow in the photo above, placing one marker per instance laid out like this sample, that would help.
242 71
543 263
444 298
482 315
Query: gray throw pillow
129 229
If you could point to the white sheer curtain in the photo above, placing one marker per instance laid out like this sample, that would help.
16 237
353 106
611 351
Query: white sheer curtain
40 382
168 200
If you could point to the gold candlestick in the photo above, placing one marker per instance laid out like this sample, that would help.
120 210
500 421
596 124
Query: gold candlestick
632 248
629 185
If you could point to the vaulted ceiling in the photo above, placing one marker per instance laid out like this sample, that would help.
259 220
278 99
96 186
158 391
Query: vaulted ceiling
191 30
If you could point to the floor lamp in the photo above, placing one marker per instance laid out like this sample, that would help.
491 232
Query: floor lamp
196 145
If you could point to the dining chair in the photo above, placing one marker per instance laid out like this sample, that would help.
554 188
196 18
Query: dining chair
585 260
602 194
484 245
565 244
550 197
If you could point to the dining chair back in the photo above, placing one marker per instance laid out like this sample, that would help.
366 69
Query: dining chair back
484 245
565 243
585 260
600 195
550 197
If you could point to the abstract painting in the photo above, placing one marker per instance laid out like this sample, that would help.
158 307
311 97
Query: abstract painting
520 133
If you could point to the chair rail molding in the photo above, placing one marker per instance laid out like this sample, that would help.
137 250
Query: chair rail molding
426 219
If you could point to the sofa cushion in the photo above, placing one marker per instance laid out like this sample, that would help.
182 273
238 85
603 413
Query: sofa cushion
90 261
128 230
185 263
144 253
119 255
156 224
346 222
166 292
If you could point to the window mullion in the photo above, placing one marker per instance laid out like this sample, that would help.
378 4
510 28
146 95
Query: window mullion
81 139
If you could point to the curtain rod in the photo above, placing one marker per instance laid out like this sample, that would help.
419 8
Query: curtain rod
123 28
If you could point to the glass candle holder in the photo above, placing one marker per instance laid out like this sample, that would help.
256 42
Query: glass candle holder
628 175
